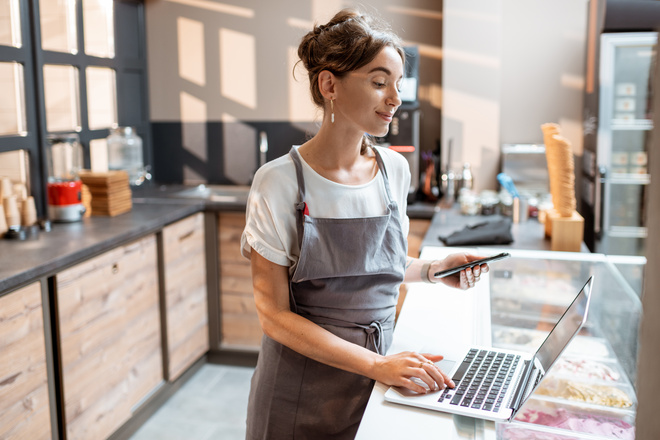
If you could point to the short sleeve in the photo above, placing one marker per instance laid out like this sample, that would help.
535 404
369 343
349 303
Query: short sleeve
270 214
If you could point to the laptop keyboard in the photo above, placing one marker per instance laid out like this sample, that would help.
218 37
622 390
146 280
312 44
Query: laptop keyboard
482 380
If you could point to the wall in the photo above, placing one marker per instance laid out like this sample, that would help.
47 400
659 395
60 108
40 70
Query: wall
220 73
510 66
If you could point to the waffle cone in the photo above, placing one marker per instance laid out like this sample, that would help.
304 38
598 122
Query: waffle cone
561 169
549 130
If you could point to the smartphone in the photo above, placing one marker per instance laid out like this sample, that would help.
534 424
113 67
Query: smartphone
453 270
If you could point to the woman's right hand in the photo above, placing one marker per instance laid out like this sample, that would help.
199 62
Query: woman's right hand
400 369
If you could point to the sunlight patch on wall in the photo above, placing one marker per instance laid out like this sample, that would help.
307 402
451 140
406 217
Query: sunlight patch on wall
570 81
299 23
193 109
426 50
432 94
301 107
324 10
238 67
217 7
98 155
468 14
416 12
471 58
190 39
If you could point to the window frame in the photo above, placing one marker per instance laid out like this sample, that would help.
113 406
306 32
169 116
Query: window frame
33 58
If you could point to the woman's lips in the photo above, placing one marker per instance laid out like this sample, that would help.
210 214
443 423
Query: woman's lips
386 116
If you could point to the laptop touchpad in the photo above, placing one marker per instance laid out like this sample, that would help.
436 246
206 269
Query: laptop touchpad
446 365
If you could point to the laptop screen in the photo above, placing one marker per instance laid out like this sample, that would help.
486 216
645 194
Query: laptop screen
567 326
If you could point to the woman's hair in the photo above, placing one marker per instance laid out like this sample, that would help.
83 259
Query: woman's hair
347 42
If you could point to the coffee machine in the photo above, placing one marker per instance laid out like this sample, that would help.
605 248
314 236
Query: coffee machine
64 185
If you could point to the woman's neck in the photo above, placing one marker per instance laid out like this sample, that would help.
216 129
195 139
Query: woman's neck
336 156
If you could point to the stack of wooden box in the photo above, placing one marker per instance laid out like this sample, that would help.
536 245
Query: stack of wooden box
110 190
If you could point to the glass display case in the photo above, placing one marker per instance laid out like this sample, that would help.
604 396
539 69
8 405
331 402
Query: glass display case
590 392
615 173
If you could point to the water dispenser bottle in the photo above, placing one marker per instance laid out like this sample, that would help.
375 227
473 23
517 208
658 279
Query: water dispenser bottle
125 153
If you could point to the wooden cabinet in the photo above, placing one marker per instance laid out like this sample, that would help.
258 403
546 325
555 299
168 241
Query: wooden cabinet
24 402
186 311
240 328
109 338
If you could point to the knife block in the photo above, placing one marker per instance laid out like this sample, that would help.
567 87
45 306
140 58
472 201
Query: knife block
565 233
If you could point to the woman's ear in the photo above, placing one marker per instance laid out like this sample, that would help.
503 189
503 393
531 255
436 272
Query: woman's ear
327 82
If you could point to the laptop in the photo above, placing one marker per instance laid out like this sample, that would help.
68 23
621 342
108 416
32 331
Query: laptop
492 383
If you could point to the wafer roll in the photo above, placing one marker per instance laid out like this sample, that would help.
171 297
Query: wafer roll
549 130
562 173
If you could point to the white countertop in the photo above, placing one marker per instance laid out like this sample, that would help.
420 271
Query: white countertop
440 320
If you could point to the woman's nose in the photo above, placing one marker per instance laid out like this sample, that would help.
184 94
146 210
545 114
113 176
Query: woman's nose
395 98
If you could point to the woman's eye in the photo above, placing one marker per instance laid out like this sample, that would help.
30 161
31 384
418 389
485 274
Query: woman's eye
379 84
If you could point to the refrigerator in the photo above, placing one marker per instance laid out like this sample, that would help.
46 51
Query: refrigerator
617 126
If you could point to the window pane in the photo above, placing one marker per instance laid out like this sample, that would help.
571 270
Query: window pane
12 104
58 25
101 97
98 155
98 27
62 98
10 23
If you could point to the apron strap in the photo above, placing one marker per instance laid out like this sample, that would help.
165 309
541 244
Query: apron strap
300 203
381 167
374 330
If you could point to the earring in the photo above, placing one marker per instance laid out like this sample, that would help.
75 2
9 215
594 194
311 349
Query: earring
332 109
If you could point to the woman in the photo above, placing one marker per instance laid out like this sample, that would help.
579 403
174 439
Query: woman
326 236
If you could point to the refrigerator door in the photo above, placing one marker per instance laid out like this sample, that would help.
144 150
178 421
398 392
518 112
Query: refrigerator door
623 139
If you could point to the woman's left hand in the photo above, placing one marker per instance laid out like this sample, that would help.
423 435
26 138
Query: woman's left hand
464 279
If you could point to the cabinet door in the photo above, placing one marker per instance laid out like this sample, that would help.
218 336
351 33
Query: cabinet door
240 323
24 405
109 338
185 293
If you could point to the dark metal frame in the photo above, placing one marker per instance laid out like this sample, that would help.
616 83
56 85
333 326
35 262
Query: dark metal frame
30 142
33 58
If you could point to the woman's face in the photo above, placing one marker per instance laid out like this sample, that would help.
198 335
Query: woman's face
367 98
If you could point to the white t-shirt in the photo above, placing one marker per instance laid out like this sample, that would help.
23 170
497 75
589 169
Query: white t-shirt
271 227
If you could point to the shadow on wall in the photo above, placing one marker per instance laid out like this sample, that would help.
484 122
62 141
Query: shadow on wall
227 152
222 72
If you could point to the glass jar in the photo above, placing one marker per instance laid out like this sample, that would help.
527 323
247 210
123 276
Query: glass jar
65 157
125 153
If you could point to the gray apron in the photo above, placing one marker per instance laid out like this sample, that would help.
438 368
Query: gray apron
346 280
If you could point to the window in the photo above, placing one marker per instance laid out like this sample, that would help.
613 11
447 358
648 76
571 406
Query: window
80 76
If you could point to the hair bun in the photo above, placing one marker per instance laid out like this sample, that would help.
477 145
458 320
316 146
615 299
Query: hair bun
345 43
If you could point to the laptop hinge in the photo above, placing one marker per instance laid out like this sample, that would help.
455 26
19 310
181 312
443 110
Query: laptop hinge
522 385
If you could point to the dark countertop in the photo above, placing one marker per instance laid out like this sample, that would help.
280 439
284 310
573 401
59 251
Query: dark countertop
69 243
154 206
529 235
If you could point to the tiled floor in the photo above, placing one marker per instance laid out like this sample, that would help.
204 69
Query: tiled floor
210 405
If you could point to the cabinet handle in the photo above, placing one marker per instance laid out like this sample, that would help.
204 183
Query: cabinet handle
186 235
115 268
